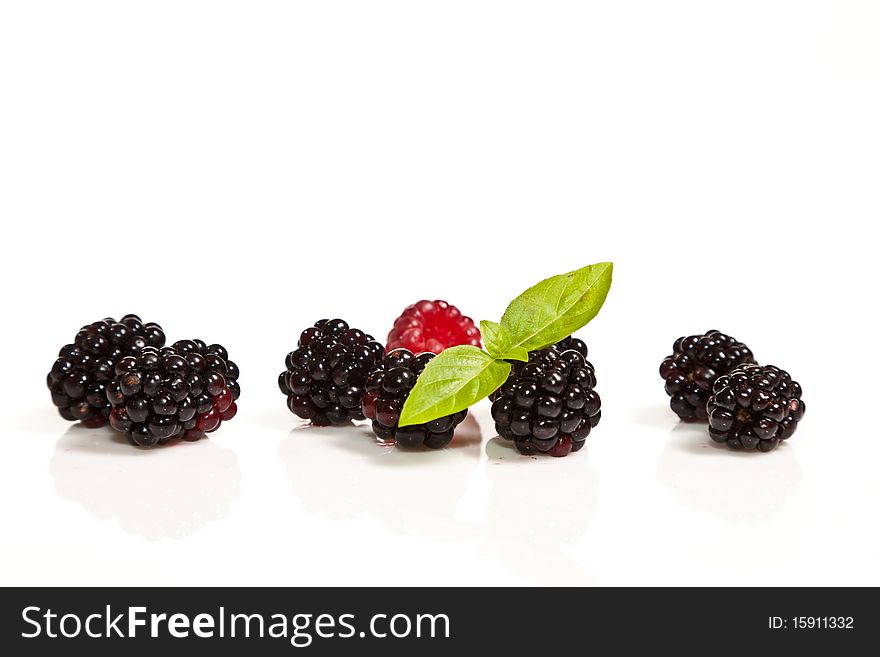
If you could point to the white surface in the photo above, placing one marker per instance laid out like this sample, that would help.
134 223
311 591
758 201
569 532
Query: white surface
189 161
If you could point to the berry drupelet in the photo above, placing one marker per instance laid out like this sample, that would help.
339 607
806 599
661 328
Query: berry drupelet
754 407
432 326
693 367
549 404
183 391
80 375
325 376
388 387
573 343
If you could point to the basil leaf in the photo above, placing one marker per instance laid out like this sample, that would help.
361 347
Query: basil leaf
453 381
497 342
556 307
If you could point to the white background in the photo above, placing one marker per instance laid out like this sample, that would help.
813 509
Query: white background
237 170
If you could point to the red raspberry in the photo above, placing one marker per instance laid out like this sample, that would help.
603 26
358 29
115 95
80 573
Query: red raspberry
432 326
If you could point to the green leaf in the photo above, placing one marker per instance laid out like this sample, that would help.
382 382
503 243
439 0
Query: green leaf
453 381
556 307
498 344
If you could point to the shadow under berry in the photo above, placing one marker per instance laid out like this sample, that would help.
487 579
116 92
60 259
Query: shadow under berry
739 487
532 516
343 472
166 493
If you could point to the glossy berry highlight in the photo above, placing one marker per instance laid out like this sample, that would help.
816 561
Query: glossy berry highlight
693 367
80 375
432 326
755 407
574 344
388 388
325 375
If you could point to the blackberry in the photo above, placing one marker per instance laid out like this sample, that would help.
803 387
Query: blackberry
325 376
388 387
182 391
694 365
80 375
548 404
754 407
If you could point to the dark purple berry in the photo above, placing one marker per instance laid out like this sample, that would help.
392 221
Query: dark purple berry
548 405
693 367
754 407
325 376
172 392
79 377
388 387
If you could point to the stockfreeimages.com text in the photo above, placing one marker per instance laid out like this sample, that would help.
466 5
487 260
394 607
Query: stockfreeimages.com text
299 629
